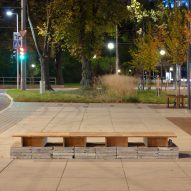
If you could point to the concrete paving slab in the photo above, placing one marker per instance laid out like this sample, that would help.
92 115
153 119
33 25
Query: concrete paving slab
153 170
185 167
34 169
159 185
4 163
87 169
29 184
93 184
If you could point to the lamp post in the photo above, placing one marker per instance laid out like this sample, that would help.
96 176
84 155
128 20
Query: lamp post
23 43
116 51
162 53
110 46
10 13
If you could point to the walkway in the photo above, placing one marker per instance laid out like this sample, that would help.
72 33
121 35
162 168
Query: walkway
92 175
59 175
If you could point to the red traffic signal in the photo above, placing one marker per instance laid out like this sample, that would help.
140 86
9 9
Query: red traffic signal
22 53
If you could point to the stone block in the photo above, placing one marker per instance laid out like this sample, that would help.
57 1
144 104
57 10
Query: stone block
63 153
64 149
20 149
168 153
42 149
85 156
21 157
147 152
41 156
126 152
62 156
106 152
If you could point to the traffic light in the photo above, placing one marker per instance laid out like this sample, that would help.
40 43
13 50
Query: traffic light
22 53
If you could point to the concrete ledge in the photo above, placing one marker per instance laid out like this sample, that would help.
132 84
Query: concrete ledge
94 152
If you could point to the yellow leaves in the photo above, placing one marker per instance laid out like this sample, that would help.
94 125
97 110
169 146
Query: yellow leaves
188 16
146 55
42 30
187 27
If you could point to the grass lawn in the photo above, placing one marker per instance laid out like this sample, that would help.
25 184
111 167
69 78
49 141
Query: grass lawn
81 96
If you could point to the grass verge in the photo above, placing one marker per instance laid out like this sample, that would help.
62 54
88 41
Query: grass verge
85 96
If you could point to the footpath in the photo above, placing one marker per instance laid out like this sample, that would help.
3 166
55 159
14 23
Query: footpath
92 175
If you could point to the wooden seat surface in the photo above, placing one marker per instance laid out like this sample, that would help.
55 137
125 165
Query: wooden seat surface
96 134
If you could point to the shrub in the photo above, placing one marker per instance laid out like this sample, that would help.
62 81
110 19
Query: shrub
119 85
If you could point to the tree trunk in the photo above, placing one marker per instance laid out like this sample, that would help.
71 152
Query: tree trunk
45 54
58 65
174 77
86 81
149 80
143 79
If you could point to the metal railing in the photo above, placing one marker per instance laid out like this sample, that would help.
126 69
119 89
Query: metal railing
6 81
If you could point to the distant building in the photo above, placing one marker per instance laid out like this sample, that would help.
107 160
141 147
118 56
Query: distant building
170 3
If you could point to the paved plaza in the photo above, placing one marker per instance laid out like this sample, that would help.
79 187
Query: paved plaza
92 175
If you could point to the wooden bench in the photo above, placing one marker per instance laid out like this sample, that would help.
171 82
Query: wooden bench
179 100
78 139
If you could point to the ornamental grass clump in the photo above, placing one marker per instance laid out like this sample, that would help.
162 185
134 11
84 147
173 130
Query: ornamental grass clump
119 85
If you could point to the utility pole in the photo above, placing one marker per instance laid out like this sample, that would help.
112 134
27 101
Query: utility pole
23 44
17 17
117 51
189 63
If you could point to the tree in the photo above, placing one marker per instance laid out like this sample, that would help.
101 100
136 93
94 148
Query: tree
81 26
43 53
176 40
145 56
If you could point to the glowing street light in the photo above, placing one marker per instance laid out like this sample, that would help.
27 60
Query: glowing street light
33 65
110 45
9 13
162 52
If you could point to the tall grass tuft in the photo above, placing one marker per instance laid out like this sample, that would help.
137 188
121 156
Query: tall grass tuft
119 85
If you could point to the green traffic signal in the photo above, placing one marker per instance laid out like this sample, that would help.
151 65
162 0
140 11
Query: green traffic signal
22 57
22 53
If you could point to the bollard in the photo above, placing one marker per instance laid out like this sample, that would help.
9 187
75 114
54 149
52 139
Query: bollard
42 87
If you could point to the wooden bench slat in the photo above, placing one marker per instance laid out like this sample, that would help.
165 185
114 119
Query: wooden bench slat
96 134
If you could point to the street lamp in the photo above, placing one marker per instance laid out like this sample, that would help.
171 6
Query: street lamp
33 65
110 46
162 53
10 13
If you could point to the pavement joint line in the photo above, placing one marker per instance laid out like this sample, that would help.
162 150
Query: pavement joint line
52 119
7 166
125 175
83 117
61 176
109 111
176 162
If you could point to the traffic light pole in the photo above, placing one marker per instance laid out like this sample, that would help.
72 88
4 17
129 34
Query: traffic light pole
23 44
116 51
17 16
